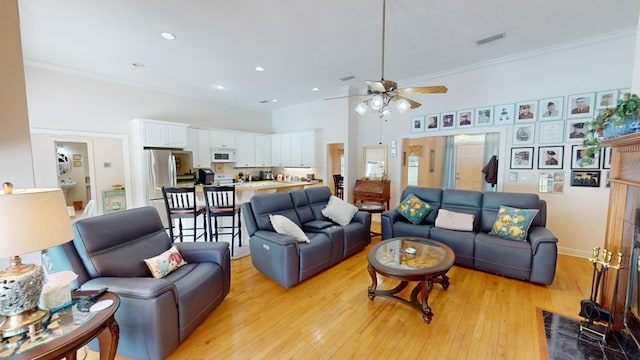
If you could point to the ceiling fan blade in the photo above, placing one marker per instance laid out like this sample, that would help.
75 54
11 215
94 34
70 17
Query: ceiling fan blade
376 86
345 96
422 90
413 104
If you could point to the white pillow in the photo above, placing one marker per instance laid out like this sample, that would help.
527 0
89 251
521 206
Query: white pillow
454 221
282 225
339 211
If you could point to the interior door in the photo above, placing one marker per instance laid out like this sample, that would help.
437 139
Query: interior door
469 164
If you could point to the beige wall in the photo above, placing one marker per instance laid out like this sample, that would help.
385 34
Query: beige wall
15 147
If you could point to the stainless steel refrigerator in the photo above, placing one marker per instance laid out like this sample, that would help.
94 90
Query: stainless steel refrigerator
165 168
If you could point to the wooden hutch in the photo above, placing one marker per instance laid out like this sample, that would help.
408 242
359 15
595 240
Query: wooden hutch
372 191
622 232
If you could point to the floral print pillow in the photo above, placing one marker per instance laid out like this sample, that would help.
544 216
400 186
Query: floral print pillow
512 223
163 264
413 208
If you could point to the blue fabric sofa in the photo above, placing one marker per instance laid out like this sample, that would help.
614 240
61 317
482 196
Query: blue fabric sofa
532 260
287 261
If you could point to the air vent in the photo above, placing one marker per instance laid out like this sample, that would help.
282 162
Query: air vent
347 78
490 39
264 101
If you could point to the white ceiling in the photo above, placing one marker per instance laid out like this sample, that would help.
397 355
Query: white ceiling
301 43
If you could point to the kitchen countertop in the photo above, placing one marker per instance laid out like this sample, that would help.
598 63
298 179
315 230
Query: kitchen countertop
274 185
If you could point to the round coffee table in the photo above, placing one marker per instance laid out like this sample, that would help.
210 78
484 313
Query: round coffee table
410 259
372 208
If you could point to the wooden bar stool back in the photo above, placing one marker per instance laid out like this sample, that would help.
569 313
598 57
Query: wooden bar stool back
180 203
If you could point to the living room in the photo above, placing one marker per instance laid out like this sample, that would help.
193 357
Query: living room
59 104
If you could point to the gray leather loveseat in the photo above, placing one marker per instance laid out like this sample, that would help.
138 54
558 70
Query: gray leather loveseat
155 315
287 261
533 259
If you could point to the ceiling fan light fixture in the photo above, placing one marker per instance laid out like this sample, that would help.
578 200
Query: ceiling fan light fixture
402 105
362 108
385 111
377 102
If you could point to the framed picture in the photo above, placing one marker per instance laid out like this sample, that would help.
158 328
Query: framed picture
484 116
606 99
580 105
551 182
503 114
433 122
551 108
551 132
77 163
550 157
522 158
526 111
579 152
465 118
606 158
585 178
77 157
417 124
576 130
524 134
448 120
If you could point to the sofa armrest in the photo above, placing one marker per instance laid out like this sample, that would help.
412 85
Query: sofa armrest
275 238
136 288
539 235
361 217
391 215
198 252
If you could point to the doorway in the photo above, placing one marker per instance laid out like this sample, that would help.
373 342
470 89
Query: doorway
74 173
469 164
335 164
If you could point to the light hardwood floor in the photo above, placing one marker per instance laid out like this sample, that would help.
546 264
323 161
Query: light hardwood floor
480 316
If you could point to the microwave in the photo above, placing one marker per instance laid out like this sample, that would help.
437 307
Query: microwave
223 155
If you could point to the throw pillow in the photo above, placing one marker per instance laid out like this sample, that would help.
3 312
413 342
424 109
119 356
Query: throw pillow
512 223
413 208
454 221
163 264
282 225
339 211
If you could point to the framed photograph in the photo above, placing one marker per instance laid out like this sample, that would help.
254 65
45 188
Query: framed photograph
417 124
522 158
503 114
465 118
579 152
526 111
551 108
606 158
77 157
551 132
433 122
523 134
77 163
585 178
551 182
576 130
550 157
484 116
448 120
580 105
606 99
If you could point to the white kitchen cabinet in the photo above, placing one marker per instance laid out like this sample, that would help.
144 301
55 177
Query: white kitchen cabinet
308 148
202 157
263 150
245 150
296 149
285 149
223 139
163 134
276 151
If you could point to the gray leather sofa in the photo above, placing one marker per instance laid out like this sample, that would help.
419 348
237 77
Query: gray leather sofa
532 260
287 261
155 315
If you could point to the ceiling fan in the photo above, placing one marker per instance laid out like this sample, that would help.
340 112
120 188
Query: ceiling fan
386 91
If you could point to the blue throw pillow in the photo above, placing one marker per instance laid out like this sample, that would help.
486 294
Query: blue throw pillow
512 223
414 208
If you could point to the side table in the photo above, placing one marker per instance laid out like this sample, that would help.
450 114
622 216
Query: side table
372 209
68 331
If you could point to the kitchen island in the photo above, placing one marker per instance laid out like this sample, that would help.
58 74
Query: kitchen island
246 190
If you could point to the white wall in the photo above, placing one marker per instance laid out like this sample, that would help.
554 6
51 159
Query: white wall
578 215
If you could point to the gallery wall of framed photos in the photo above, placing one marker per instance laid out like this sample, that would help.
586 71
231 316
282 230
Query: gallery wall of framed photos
545 132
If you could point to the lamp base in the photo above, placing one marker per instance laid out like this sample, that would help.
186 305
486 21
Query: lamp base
35 318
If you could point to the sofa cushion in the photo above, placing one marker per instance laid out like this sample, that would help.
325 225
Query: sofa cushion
282 225
413 208
454 220
513 223
165 263
339 211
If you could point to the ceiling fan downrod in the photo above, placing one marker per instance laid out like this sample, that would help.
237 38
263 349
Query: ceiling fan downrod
384 7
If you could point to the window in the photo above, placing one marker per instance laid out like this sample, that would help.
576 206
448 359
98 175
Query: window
412 166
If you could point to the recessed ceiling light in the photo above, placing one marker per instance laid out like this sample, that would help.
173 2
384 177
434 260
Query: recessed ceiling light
138 65
220 87
259 68
274 100
315 89
168 36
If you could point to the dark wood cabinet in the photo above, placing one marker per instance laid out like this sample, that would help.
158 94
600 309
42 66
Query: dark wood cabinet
372 191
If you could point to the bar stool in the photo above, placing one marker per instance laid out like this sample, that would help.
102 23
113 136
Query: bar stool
338 182
221 202
180 203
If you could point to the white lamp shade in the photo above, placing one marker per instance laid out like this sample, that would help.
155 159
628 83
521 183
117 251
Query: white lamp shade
33 220
377 102
361 108
402 105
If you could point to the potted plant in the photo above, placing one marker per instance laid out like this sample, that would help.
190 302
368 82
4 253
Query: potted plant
611 122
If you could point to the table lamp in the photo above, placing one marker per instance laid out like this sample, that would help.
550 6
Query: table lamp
30 220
